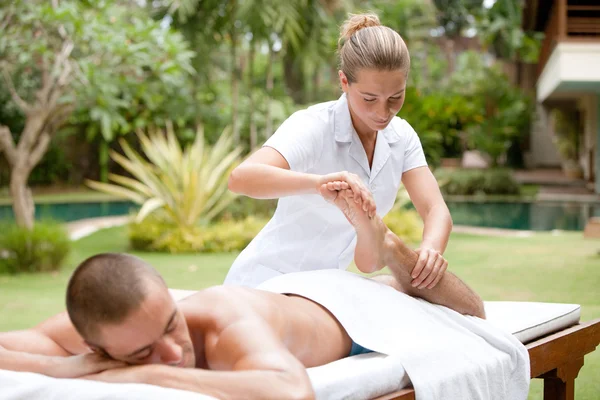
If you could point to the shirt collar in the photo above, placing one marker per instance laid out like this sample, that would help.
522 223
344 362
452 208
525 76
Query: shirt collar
343 128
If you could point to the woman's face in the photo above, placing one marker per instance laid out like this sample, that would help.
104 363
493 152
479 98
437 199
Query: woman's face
375 98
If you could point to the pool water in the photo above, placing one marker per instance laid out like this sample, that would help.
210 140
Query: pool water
527 216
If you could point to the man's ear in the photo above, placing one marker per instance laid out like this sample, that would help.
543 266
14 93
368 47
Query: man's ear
343 81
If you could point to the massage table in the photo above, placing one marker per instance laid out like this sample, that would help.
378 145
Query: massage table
554 337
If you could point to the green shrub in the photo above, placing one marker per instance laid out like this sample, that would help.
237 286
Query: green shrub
43 249
500 181
406 224
466 182
155 234
244 206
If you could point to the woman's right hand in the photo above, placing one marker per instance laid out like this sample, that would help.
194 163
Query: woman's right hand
361 193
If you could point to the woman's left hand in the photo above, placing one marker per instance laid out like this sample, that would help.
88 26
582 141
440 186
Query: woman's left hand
429 269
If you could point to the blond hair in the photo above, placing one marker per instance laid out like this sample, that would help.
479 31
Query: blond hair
365 43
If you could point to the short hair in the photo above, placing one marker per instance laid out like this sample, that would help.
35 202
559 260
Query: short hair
366 44
106 288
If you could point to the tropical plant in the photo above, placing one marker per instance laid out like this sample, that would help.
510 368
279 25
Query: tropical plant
189 187
500 28
454 17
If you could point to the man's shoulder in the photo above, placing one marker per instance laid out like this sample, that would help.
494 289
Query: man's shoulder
221 306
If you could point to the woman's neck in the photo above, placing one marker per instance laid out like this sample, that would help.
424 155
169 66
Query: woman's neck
367 136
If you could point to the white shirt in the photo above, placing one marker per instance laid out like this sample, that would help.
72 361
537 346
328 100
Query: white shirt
306 232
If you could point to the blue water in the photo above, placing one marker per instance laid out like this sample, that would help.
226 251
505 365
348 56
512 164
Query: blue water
75 211
528 216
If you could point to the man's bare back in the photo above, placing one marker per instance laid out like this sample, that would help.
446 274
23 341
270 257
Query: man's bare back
291 318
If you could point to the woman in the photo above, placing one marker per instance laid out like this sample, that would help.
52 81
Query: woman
356 142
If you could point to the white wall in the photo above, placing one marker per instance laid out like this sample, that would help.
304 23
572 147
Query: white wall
569 62
543 150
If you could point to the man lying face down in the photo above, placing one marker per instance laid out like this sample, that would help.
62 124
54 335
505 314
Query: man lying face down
123 325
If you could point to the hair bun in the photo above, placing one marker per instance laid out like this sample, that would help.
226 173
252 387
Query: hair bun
356 22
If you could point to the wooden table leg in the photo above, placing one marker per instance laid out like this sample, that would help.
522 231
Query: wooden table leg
559 384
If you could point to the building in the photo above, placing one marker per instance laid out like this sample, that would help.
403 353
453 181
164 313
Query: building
568 80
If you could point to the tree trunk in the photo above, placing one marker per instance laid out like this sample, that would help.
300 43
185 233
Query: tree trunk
449 50
103 159
316 83
235 76
252 122
294 79
22 200
268 118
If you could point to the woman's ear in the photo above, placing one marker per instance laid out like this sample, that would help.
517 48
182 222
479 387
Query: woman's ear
343 81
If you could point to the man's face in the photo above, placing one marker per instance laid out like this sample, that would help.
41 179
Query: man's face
375 98
155 333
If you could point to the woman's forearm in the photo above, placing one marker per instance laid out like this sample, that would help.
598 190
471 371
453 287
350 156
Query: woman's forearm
262 181
437 228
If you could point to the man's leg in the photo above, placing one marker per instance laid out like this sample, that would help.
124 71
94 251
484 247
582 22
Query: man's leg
377 246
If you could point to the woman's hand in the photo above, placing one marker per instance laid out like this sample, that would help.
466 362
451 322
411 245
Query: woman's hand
429 269
361 193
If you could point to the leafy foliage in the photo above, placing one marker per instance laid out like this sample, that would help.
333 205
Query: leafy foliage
42 249
466 182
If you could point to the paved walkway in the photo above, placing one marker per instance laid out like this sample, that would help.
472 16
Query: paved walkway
555 186
85 227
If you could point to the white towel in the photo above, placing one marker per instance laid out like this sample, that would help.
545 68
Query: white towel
446 355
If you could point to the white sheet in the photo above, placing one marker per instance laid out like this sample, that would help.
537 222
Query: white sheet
360 377
29 386
445 354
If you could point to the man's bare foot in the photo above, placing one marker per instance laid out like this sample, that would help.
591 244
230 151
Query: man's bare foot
370 232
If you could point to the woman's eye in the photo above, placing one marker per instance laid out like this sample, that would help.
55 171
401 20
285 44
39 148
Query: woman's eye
395 98
369 100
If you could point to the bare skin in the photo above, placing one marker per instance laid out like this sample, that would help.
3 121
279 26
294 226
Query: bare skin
377 247
235 342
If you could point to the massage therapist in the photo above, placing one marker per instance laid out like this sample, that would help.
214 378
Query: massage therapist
357 142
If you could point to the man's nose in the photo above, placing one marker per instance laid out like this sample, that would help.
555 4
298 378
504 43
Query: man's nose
170 352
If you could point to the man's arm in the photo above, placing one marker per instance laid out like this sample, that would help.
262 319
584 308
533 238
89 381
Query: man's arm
50 349
252 363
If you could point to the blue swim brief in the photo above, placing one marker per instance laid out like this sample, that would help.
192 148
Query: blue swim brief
358 349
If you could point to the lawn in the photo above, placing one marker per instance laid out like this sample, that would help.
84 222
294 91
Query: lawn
52 195
546 267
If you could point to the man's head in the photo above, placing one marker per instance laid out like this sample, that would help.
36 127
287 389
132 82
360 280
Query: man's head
121 307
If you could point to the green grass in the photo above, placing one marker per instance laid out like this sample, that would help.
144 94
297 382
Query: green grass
549 268
64 196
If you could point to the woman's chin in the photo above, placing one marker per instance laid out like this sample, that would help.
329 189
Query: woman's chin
378 126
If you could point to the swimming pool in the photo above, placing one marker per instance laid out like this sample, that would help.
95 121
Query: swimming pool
528 216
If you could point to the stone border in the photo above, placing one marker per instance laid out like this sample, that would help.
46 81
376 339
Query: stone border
483 231
85 227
